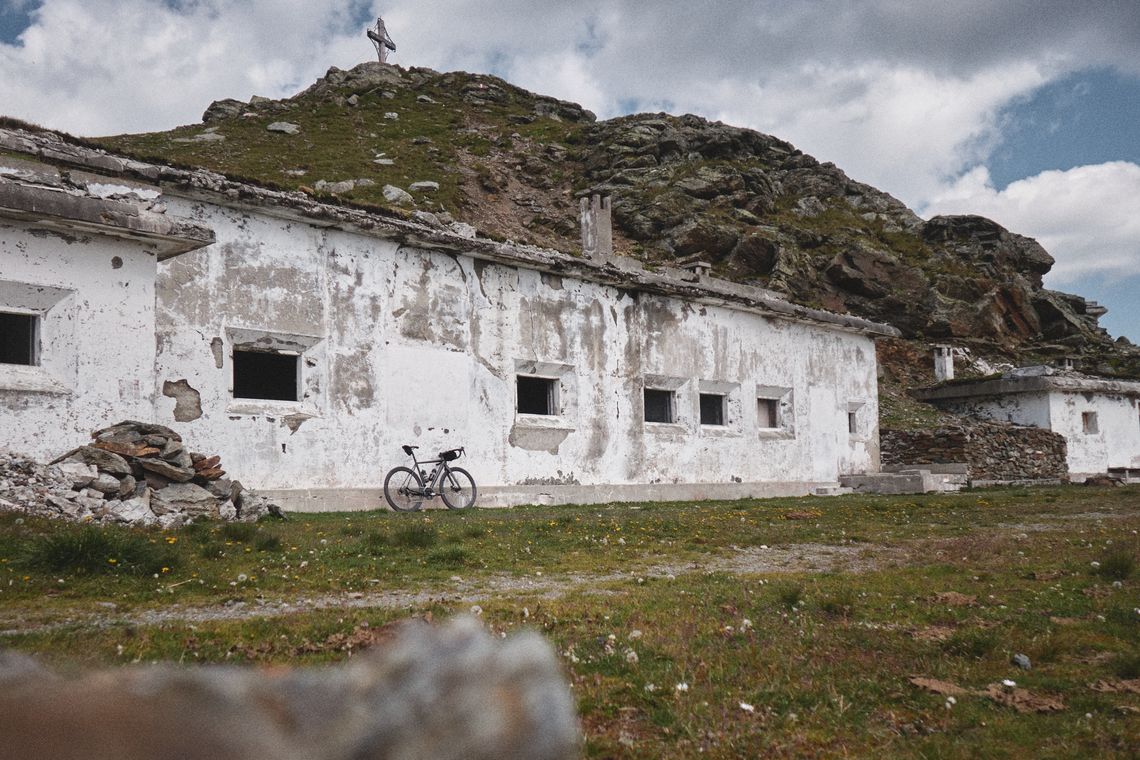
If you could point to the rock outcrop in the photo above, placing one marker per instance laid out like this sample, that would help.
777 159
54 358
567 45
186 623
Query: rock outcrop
512 164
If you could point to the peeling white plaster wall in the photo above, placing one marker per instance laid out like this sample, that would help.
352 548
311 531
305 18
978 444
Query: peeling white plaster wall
1116 442
411 346
95 299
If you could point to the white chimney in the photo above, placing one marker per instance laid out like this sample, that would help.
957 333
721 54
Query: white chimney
597 230
943 363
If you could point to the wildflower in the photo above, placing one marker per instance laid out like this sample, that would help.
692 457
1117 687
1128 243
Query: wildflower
476 610
1008 683
745 625
113 561
651 687
681 688
166 569
635 634
747 707
242 577
1094 564
172 539
631 657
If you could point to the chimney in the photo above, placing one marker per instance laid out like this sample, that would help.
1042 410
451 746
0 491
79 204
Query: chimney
597 230
702 269
1067 363
943 363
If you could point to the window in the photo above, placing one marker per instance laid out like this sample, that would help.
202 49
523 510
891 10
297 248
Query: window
537 395
768 413
266 375
1088 423
712 409
659 405
852 423
18 339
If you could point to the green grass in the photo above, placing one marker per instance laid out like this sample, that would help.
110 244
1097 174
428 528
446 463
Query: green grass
822 656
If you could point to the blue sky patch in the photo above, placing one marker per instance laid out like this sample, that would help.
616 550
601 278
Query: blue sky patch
14 19
1086 118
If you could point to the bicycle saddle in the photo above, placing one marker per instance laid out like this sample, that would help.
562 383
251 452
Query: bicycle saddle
408 449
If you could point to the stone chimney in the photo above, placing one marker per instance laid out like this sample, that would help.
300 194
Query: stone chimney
943 363
597 229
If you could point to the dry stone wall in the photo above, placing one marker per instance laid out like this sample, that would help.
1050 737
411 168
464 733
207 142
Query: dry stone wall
992 451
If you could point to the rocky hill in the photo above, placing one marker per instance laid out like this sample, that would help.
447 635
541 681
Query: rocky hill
471 148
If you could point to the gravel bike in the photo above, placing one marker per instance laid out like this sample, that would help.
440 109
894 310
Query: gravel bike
406 488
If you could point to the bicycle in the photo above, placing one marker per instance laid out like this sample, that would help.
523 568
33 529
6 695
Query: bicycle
406 488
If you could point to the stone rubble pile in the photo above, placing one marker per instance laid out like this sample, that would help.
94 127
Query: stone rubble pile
134 473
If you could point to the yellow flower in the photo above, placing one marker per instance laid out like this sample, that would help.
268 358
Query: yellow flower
166 569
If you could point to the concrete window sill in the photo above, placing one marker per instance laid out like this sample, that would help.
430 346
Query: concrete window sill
26 379
719 431
258 407
543 422
666 428
775 434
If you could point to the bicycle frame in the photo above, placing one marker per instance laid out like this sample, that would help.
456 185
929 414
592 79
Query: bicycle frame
432 480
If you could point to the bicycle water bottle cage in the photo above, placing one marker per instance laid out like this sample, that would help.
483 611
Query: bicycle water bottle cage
408 449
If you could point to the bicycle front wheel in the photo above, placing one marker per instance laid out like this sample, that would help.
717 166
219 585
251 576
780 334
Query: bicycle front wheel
457 489
404 490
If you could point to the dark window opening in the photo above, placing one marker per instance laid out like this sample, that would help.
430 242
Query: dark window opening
658 405
768 412
18 338
266 376
852 423
537 395
1089 423
712 409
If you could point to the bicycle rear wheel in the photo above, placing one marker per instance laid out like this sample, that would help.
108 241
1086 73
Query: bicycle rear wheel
457 489
404 490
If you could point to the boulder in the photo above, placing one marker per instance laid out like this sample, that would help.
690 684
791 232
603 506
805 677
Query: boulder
448 693
106 484
424 186
187 498
78 474
284 127
396 195
166 469
223 109
107 461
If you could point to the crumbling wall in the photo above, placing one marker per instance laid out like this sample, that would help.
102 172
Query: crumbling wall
992 451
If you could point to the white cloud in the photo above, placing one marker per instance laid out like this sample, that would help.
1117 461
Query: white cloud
904 96
1088 217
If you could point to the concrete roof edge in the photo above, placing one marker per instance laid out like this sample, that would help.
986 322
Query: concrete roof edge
617 271
58 209
998 386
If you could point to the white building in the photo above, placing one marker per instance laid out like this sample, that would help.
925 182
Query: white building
1099 417
306 342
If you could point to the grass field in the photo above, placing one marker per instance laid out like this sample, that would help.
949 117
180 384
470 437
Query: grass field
849 626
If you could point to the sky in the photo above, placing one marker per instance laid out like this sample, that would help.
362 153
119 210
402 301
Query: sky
1025 111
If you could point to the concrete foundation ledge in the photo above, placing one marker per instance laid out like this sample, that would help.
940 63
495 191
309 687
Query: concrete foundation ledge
363 499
